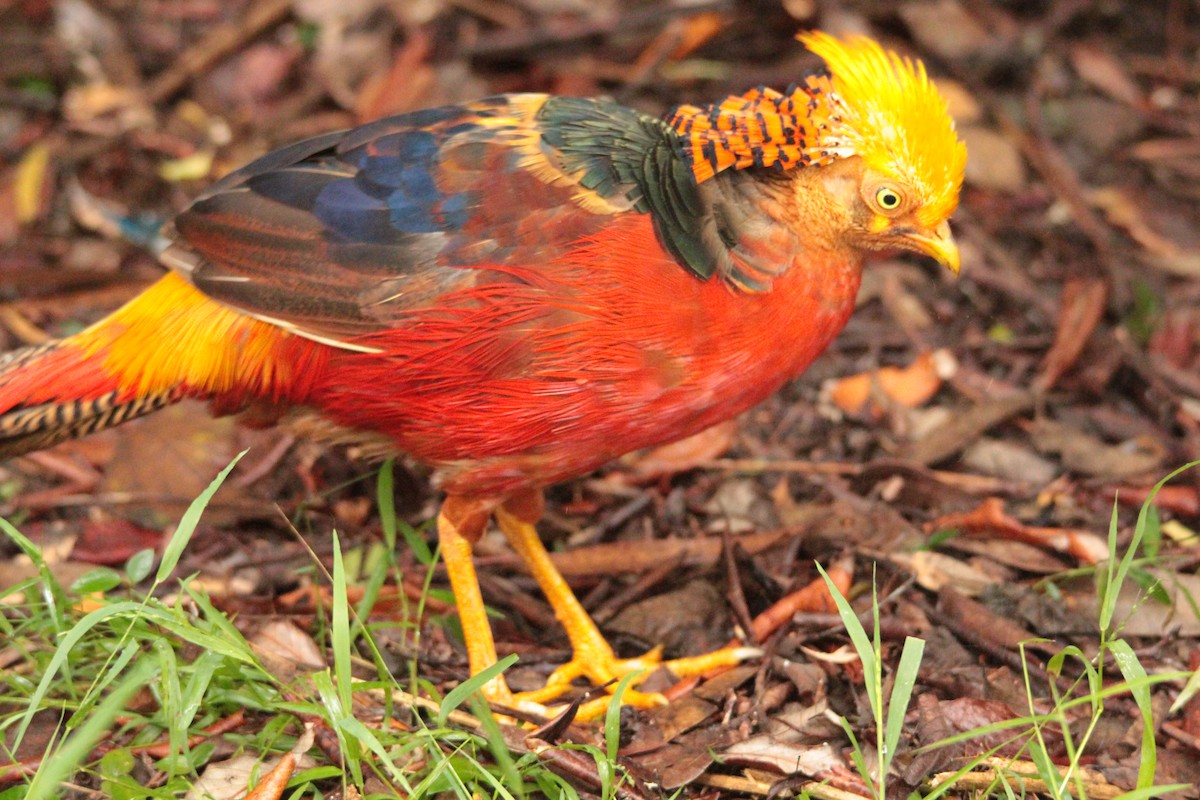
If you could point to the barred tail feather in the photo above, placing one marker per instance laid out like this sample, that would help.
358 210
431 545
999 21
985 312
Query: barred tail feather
169 342
31 418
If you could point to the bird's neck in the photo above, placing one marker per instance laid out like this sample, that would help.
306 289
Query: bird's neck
761 128
777 223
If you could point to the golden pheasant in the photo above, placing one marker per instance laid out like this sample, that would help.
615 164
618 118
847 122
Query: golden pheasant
520 289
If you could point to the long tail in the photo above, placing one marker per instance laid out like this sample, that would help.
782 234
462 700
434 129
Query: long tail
32 425
168 343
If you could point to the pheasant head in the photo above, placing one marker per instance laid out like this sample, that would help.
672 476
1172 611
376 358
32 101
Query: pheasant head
875 116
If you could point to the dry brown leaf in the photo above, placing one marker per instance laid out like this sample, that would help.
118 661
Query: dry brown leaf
1166 149
169 458
1080 310
963 427
814 597
273 784
990 519
227 780
697 30
1125 212
401 88
685 454
283 639
933 571
945 27
1085 454
909 387
1105 72
1178 499
106 109
769 751
963 105
995 161
1010 460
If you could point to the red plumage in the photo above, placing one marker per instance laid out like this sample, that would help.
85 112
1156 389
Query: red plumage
561 367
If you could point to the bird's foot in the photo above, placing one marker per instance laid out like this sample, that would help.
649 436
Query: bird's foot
601 667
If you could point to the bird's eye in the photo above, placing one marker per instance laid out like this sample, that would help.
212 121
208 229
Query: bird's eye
888 198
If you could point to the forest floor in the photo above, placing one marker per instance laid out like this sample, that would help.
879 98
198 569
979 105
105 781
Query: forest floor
977 447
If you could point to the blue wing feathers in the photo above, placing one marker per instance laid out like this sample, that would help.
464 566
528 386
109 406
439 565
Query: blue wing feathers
364 223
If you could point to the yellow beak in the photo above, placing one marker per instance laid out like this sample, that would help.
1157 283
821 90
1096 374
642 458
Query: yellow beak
938 244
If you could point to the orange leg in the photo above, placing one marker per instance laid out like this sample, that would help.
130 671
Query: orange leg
592 657
477 633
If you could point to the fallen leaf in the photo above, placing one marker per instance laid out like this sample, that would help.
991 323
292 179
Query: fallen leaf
961 104
995 162
1181 534
990 519
909 387
1009 460
685 454
1101 69
1174 339
1080 309
1082 453
768 751
228 779
814 597
681 761
106 109
1125 212
273 784
697 30
968 614
945 27
964 427
29 183
112 541
166 459
934 571
284 640
401 88
681 620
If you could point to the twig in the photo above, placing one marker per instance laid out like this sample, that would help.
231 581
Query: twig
512 42
620 557
220 42
999 768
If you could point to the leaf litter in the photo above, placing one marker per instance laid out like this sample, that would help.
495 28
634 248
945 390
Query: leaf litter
976 496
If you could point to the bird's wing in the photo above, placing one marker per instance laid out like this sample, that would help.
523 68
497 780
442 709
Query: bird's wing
341 235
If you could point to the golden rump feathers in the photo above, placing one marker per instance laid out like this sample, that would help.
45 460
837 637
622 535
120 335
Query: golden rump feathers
872 103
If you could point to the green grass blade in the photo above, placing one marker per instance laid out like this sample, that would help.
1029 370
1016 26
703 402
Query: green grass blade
189 521
170 693
1117 577
352 728
1189 691
385 500
858 634
612 715
456 696
339 624
1135 676
514 785
902 689
61 654
51 589
79 745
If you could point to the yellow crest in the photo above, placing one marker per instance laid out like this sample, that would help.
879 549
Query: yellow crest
873 104
885 110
